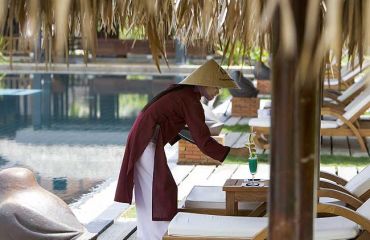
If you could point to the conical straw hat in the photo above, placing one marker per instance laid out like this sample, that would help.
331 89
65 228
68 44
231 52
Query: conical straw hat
210 74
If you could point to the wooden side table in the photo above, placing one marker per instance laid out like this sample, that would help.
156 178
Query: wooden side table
235 193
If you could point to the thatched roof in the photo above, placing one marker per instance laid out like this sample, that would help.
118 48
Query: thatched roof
227 23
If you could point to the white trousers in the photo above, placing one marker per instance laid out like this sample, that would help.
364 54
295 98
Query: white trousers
143 177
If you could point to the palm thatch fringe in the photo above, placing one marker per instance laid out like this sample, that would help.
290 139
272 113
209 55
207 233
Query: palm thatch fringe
234 25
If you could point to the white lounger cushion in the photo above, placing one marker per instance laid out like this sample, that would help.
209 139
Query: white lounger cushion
352 89
350 110
333 228
357 100
203 225
331 81
266 122
212 197
260 122
364 210
329 124
356 105
346 76
360 183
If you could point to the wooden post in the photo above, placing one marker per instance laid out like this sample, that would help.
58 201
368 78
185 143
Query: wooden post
294 148
180 56
180 52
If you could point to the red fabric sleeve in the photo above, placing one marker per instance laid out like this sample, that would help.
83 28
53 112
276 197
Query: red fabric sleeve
195 119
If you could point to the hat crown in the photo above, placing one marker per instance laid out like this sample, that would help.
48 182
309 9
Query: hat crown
210 74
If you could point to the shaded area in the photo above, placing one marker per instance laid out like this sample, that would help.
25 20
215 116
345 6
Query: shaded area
2 161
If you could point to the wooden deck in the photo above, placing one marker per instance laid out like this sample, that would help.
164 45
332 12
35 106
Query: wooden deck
188 176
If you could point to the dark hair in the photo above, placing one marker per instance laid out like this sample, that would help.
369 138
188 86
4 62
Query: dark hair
172 88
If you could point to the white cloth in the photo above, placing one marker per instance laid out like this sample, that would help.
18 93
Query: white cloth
143 179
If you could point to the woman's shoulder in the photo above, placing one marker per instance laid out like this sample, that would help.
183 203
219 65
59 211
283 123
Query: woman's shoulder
190 99
187 92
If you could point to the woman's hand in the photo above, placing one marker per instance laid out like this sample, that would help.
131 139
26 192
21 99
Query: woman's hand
240 152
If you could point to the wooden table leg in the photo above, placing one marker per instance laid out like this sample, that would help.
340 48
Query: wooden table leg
231 204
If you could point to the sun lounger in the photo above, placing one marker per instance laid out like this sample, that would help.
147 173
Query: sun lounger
204 226
345 97
347 78
211 199
347 224
358 186
345 124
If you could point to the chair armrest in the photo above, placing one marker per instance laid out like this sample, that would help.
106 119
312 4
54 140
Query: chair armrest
344 197
332 177
333 91
330 185
336 105
339 114
262 235
332 94
344 212
364 197
332 111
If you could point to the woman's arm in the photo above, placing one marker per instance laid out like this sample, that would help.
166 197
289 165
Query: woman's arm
195 120
240 152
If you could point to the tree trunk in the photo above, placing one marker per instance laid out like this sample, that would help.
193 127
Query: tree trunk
294 135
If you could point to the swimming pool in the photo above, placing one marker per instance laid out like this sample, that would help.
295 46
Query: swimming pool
70 130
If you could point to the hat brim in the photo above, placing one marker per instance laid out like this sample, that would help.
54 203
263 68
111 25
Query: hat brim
210 74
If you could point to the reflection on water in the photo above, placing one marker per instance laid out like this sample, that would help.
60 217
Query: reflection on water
71 131
2 161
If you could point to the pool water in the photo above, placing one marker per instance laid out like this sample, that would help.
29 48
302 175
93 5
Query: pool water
70 130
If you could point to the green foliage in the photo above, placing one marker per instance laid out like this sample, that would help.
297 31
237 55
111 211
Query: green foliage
2 84
239 54
344 161
236 128
232 56
2 48
78 109
235 160
131 104
256 55
137 77
243 160
132 33
251 146
130 213
222 96
326 160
